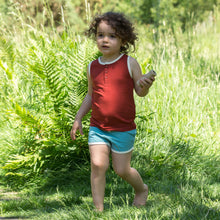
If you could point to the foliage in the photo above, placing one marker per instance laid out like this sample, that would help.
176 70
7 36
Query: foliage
44 15
186 12
43 83
177 145
63 13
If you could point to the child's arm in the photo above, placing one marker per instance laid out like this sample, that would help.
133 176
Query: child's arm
83 110
142 83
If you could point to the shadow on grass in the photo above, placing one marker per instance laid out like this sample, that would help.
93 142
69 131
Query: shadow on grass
179 181
56 191
13 218
185 176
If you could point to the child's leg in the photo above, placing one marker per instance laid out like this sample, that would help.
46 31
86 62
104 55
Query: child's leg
99 155
121 165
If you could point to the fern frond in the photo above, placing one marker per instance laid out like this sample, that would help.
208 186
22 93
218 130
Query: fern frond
4 66
28 119
46 67
19 162
25 116
7 57
84 53
7 51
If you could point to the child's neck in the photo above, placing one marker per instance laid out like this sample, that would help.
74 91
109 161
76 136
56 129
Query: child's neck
105 59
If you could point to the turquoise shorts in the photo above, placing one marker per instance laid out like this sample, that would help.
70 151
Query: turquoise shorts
119 142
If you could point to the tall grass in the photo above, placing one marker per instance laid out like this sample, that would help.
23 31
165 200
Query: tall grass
177 145
178 140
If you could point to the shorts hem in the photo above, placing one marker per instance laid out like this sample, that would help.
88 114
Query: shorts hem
122 152
99 143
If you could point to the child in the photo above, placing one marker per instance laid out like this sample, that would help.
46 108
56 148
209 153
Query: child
111 80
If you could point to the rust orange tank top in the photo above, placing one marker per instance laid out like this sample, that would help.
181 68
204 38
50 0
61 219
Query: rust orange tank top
113 107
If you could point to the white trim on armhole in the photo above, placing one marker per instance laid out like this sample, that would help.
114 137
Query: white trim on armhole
129 67
89 67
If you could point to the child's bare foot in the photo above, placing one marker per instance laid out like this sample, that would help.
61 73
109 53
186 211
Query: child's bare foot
141 198
99 209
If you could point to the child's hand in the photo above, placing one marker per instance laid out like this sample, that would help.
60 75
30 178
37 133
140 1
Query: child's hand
147 79
77 125
146 82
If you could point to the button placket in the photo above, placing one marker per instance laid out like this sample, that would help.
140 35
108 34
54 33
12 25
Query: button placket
106 73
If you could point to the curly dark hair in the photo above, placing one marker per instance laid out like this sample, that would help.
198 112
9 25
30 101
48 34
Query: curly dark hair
123 27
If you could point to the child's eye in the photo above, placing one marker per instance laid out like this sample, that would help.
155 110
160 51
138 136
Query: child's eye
112 36
100 35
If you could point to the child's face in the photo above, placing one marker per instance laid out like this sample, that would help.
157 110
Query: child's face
108 42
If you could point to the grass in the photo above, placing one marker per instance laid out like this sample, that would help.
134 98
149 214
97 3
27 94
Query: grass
171 196
176 150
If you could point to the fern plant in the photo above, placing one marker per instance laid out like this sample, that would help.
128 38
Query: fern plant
51 77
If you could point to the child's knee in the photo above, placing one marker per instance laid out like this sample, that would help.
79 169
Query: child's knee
99 166
122 172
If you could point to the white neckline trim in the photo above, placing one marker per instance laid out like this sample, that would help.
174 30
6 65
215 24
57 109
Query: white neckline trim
128 64
113 61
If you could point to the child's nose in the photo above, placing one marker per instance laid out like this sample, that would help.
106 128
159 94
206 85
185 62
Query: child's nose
105 38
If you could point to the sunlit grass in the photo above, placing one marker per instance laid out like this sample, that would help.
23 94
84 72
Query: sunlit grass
177 149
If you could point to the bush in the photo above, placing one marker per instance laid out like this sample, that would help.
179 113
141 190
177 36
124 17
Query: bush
43 84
